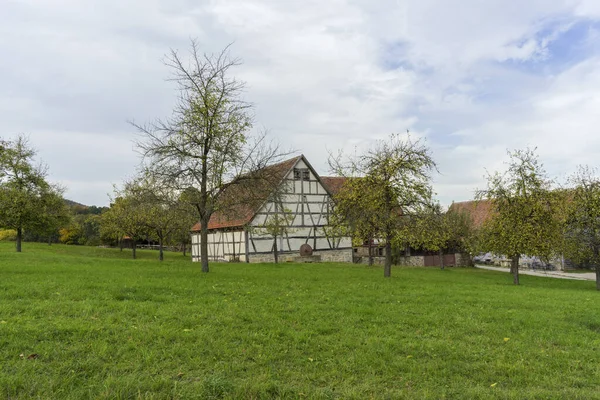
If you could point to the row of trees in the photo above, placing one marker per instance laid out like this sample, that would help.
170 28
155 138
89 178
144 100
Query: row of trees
144 208
535 216
33 209
388 196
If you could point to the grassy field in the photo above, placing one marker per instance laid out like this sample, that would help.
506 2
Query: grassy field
105 326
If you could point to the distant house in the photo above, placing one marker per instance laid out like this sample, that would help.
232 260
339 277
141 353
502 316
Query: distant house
480 211
239 232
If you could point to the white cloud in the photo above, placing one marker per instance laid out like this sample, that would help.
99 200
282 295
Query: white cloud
323 75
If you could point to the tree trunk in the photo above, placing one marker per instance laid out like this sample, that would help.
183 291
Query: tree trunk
120 242
441 253
161 256
514 268
370 252
204 244
49 240
133 248
19 239
275 250
184 249
596 250
387 269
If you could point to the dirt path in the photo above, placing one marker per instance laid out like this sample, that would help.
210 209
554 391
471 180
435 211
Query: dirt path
587 276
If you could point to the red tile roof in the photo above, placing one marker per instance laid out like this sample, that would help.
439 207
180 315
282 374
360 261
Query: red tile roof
479 210
333 183
241 201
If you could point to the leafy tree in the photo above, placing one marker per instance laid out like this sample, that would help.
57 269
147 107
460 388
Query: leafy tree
394 182
126 217
70 234
27 200
436 230
524 221
54 215
110 232
206 143
165 212
351 216
582 233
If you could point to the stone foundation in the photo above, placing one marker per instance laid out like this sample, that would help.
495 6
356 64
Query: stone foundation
326 256
377 260
335 255
307 259
463 260
412 261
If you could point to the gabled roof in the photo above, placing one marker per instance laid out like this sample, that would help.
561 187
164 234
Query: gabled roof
239 207
479 210
333 183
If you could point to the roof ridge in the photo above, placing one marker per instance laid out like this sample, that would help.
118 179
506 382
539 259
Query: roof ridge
284 161
247 212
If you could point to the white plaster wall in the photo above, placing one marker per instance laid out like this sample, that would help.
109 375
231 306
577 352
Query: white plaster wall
222 246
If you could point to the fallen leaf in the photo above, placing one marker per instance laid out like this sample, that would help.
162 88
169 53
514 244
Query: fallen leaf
22 355
2 322
310 359
506 339
494 384
187 330
408 356
32 356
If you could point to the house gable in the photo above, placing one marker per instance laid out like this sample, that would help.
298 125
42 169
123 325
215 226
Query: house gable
241 232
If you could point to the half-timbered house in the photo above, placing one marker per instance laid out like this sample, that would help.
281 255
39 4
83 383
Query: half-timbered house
241 233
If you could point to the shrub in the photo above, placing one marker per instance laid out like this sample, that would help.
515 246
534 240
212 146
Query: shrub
8 235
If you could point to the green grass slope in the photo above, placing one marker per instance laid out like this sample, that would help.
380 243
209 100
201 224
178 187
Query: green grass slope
105 326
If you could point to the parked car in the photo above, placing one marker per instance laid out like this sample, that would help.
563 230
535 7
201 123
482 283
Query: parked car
483 258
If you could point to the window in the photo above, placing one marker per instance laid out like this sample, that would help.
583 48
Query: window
303 174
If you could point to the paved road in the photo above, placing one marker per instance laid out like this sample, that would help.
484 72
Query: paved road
587 276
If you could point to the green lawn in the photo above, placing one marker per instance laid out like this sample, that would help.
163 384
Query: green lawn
105 326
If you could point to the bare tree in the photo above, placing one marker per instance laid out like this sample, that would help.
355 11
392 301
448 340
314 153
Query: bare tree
206 144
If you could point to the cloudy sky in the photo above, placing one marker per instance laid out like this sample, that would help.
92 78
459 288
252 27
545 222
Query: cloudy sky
473 77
